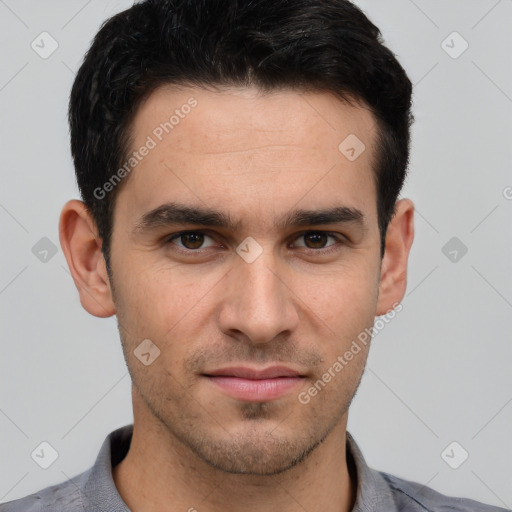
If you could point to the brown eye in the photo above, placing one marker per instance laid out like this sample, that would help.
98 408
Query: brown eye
319 240
315 240
192 240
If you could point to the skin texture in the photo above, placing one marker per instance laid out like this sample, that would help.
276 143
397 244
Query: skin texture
256 157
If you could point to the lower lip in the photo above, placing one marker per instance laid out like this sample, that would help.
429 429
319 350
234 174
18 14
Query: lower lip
255 390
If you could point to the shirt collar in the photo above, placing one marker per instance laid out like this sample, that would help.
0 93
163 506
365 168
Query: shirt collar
98 490
373 492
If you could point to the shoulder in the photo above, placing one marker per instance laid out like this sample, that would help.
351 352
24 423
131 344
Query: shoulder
411 496
62 497
85 491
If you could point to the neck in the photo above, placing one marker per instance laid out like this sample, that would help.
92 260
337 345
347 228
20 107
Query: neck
159 473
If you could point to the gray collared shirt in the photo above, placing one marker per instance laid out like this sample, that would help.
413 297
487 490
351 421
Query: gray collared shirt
94 490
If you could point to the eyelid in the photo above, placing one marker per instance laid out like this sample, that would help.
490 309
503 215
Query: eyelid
188 232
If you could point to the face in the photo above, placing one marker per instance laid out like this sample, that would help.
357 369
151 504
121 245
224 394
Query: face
246 239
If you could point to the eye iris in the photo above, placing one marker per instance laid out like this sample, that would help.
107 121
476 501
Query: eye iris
315 240
192 240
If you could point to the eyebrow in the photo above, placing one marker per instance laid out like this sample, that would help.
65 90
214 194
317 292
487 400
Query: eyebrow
175 213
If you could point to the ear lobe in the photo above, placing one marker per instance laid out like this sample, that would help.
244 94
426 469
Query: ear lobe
399 238
82 249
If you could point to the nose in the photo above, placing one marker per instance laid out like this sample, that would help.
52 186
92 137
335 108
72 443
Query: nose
259 303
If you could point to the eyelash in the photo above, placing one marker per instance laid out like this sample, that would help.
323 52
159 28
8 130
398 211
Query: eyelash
340 241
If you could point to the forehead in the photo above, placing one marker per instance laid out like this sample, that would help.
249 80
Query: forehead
224 118
243 151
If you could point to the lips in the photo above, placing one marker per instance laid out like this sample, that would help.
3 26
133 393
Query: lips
255 374
255 385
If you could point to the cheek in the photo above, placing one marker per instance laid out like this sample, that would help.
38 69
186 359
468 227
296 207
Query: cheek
343 299
161 305
162 300
341 309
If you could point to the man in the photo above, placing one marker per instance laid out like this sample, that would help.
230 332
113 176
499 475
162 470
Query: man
240 165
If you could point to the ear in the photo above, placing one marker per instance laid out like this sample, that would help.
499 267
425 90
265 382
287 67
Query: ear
82 248
399 238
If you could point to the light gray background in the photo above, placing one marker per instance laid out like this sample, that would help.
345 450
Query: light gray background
439 372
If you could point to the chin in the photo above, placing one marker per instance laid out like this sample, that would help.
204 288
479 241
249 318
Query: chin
256 451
